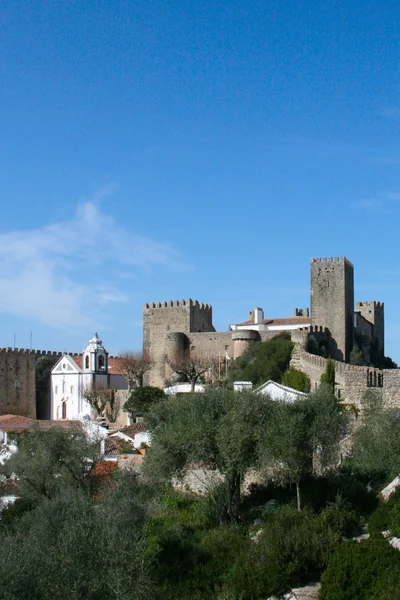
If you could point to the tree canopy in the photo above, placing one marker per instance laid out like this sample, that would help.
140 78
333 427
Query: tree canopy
142 398
297 380
263 361
302 436
219 429
376 442
49 461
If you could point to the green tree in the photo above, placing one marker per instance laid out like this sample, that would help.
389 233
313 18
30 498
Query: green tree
297 380
142 398
219 430
300 435
49 461
263 361
328 377
70 547
369 570
376 443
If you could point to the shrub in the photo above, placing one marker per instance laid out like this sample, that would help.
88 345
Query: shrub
368 570
296 379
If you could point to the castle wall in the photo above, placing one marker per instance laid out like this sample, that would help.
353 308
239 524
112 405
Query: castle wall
17 380
332 301
373 312
212 344
200 317
163 318
351 381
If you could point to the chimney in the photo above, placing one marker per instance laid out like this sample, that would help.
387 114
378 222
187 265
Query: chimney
258 315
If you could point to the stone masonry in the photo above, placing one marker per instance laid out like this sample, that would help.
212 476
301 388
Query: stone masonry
332 302
17 380
184 329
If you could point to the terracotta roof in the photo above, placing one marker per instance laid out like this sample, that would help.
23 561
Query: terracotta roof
78 360
286 321
132 430
17 420
113 362
17 423
111 447
9 487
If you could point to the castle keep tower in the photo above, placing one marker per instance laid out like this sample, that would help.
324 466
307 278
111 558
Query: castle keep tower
332 302
174 317
373 312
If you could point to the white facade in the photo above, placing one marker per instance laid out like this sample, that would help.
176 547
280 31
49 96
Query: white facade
242 386
71 375
183 388
258 323
277 391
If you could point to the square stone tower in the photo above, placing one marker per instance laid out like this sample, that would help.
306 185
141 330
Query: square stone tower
165 329
332 302
374 313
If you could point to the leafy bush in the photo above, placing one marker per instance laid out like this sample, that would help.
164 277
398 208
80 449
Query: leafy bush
369 570
297 380
263 361
386 516
142 398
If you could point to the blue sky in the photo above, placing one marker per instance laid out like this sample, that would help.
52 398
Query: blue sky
154 150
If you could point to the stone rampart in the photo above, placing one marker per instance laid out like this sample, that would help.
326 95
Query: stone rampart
352 381
17 379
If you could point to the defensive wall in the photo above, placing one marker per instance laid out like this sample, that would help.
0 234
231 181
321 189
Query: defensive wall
17 380
180 329
351 381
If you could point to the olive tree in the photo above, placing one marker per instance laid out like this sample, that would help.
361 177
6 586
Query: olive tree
301 434
219 430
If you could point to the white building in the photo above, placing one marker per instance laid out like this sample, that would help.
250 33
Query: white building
257 322
72 374
277 391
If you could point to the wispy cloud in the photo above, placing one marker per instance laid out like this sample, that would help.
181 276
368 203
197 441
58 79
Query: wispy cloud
368 205
63 274
383 201
391 112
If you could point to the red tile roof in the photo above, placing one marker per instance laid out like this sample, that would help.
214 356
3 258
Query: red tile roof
132 430
17 423
9 487
111 447
285 321
113 362
78 360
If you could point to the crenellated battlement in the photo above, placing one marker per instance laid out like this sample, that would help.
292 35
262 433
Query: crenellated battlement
175 303
331 259
36 353
370 304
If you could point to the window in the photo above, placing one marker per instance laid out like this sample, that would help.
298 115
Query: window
374 379
56 389
63 387
72 389
101 362
87 361
64 410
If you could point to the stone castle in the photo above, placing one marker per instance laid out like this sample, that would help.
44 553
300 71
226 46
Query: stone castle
17 380
332 328
184 328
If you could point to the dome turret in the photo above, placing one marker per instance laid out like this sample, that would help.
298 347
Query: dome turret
95 356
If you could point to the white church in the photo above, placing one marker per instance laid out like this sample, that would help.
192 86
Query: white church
72 374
